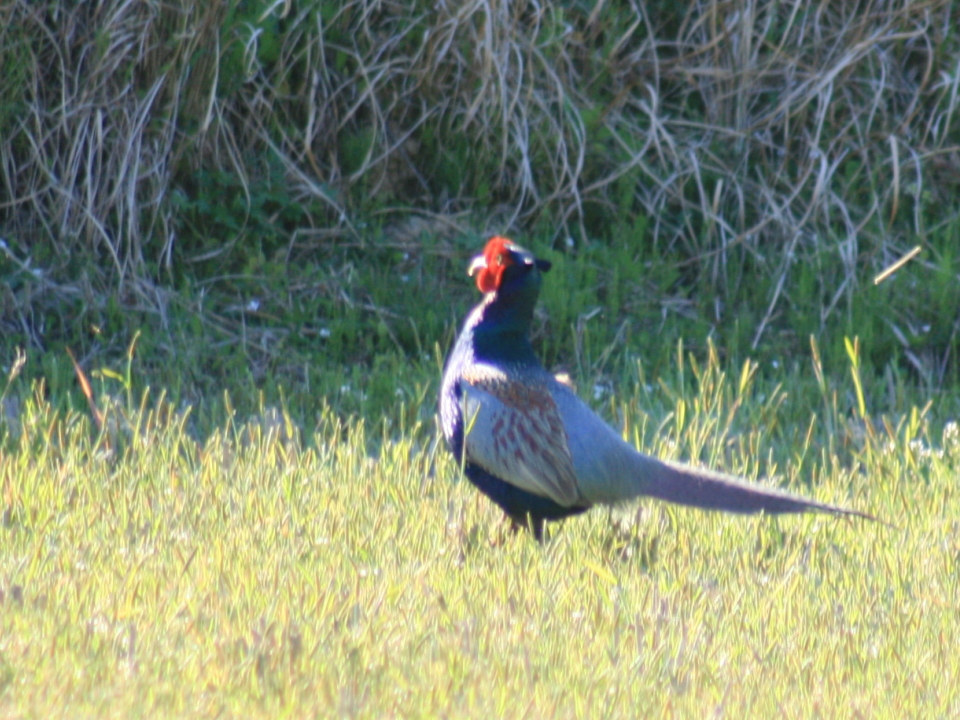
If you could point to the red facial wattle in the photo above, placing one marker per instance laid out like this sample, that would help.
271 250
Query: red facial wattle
496 258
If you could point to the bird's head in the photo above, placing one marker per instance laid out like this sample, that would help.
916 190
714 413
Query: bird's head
504 265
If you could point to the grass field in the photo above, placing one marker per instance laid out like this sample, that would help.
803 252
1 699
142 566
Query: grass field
263 211
348 574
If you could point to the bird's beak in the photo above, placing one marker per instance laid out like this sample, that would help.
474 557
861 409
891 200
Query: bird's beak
478 263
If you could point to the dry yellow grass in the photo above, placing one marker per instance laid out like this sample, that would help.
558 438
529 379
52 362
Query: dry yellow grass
784 131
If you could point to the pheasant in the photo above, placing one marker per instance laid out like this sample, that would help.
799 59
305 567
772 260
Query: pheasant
529 443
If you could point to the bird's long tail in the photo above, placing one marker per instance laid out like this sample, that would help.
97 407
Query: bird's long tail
701 488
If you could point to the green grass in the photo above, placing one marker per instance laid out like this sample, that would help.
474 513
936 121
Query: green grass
270 205
363 331
343 570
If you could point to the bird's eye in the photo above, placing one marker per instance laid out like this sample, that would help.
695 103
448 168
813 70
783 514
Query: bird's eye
500 259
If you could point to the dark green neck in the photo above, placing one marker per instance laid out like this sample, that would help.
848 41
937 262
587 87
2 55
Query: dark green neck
503 332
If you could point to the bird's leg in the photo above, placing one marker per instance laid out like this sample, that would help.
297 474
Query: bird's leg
515 525
535 524
538 527
507 529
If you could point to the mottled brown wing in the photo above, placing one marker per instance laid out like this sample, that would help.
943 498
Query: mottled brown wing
515 432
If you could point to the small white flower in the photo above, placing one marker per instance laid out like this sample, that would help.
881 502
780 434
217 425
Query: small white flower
951 433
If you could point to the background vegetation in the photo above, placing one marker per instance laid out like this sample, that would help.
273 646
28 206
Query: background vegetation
265 209
272 192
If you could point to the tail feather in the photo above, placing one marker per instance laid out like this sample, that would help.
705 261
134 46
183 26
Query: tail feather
686 485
